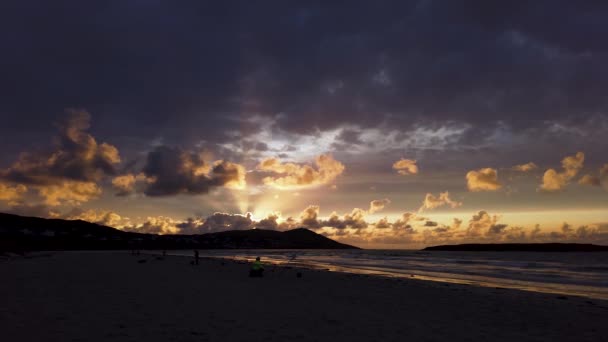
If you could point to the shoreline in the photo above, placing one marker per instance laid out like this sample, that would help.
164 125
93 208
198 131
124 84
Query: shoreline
502 283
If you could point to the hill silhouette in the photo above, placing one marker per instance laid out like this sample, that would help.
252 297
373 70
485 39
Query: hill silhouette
521 247
20 233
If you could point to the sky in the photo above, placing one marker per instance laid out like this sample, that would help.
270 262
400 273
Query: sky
384 124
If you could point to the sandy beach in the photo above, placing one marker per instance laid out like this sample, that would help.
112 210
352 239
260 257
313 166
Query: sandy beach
113 296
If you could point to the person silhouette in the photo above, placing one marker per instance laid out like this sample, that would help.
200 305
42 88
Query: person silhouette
257 269
196 256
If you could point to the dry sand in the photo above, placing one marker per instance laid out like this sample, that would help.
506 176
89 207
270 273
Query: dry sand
109 296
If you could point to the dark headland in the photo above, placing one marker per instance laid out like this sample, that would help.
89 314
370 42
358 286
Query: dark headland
19 233
521 247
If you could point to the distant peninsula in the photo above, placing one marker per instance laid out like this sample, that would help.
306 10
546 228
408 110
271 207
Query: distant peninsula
19 233
520 247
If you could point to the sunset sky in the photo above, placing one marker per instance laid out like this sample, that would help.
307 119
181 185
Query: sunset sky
385 124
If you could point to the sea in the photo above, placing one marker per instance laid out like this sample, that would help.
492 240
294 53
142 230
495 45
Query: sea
567 273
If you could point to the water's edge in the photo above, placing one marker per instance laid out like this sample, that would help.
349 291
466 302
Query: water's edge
565 274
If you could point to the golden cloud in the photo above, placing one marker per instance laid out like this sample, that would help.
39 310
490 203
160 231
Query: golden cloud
601 180
72 192
556 181
69 172
77 157
12 194
525 167
482 223
154 225
103 217
297 175
382 223
590 180
406 167
431 201
404 221
125 184
355 219
378 205
485 179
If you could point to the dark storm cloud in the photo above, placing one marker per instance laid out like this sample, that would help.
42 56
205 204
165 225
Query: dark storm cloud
187 71
172 171
77 156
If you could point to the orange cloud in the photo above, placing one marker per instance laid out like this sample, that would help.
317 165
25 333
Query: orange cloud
70 172
601 180
525 167
590 180
354 219
406 167
485 179
12 194
103 217
378 205
296 175
556 181
483 223
125 184
72 192
432 202
154 225
403 221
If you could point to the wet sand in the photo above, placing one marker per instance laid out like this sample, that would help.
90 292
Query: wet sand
112 296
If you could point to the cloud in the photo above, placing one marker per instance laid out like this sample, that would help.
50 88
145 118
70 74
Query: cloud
69 192
590 180
383 223
483 223
309 217
354 219
456 223
485 179
224 221
70 172
103 217
151 225
218 222
556 181
154 225
270 222
525 167
601 180
432 202
172 171
408 230
404 221
406 167
77 157
604 176
12 194
125 184
297 175
378 205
